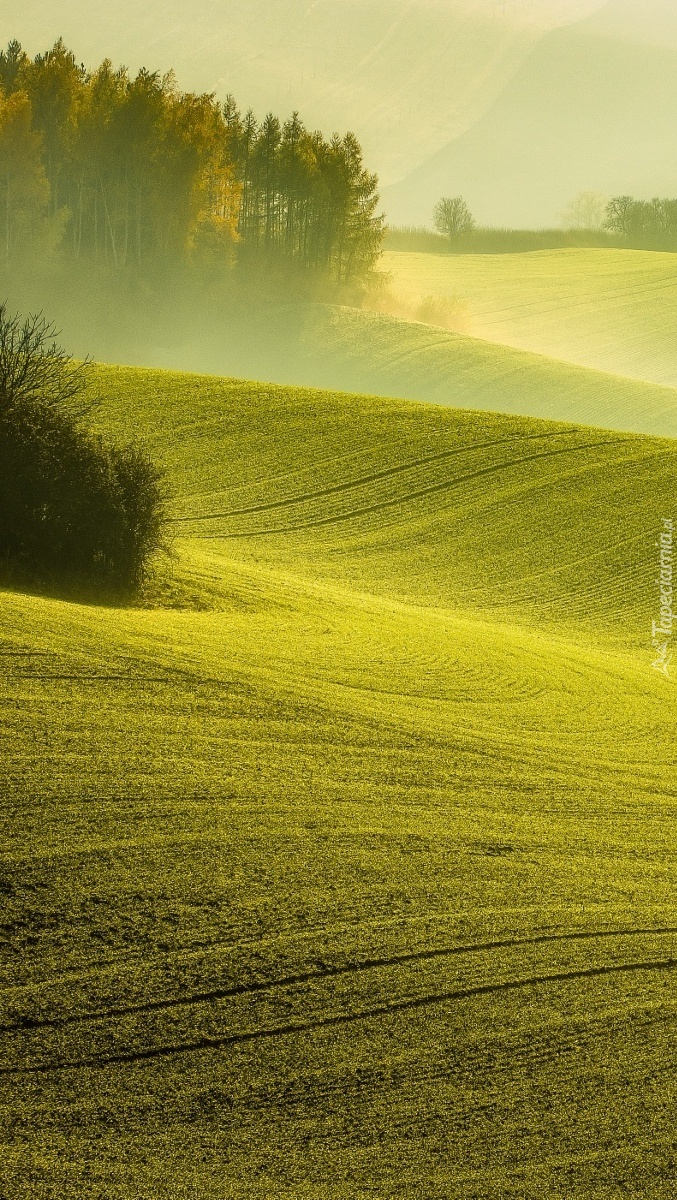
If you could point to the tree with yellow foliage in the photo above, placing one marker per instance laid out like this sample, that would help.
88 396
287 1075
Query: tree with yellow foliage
24 189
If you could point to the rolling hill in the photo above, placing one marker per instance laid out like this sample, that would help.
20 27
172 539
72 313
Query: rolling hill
344 865
353 349
612 310
554 334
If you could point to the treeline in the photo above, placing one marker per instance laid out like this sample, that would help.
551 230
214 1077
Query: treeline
485 240
644 224
130 173
621 222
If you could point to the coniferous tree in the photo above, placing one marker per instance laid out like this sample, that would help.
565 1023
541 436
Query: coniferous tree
140 174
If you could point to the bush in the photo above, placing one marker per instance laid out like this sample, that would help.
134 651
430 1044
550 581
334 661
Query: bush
34 367
72 508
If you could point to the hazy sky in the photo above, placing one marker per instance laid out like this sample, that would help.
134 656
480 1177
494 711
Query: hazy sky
546 13
408 76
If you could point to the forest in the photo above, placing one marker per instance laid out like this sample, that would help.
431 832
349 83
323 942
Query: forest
131 174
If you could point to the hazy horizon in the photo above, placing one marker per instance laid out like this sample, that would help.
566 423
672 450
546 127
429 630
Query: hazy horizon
517 104
408 76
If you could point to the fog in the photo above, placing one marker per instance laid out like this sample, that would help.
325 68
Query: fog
518 105
591 108
407 77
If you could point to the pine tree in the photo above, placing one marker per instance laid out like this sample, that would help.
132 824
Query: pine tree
142 174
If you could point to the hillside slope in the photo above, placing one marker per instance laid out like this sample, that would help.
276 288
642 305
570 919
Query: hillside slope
353 349
363 351
345 867
612 310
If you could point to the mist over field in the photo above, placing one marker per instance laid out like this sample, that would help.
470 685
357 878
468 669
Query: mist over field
517 106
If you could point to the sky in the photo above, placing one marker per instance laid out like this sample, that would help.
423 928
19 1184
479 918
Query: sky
409 77
405 75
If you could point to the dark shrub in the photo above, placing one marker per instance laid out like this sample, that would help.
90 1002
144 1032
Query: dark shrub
72 508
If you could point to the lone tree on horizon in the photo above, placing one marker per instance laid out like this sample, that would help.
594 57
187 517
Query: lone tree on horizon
453 218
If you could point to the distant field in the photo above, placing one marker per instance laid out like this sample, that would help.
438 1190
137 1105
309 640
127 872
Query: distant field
363 351
346 867
614 310
421 240
373 352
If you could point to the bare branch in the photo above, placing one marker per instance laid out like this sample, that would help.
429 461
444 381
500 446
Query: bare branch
33 367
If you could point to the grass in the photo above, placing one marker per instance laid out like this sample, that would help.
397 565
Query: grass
610 309
372 351
343 865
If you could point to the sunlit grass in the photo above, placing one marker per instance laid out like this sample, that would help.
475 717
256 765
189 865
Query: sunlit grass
343 864
610 309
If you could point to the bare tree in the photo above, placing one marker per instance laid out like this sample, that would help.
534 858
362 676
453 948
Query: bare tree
33 367
452 217
644 223
624 216
587 210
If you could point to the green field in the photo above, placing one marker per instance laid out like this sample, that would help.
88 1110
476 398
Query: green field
346 348
613 310
385 354
343 865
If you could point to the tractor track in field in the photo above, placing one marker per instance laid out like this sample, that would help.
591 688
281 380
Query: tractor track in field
430 489
382 1010
373 477
94 678
329 972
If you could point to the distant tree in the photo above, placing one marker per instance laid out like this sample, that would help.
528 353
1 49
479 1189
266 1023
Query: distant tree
12 61
623 216
353 227
305 202
452 217
669 220
54 82
586 211
658 221
651 224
